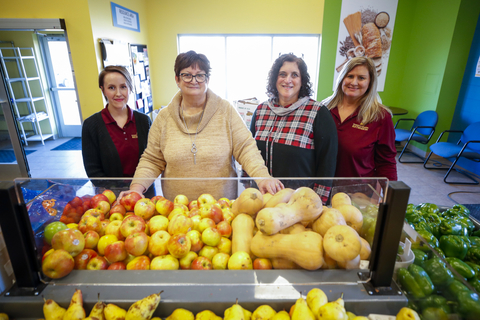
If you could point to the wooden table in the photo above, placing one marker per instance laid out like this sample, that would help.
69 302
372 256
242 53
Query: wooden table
398 111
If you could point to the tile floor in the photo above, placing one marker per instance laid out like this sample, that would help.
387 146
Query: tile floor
426 185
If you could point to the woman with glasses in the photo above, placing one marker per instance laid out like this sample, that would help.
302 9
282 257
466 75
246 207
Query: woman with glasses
296 134
199 135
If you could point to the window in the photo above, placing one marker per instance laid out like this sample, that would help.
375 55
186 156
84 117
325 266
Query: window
240 63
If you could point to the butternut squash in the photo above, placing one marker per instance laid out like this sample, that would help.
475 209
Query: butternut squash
249 202
366 250
329 263
282 196
353 216
242 233
267 196
340 198
330 217
305 248
279 263
304 205
296 228
342 243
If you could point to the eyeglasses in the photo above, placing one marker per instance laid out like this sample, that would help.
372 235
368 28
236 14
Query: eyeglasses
187 77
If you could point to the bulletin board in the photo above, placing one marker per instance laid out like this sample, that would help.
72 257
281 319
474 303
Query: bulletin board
141 78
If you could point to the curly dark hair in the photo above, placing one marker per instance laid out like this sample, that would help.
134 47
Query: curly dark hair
305 89
192 59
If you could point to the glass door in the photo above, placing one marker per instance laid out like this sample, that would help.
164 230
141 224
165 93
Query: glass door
61 84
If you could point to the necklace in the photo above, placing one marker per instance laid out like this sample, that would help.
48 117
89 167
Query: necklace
194 146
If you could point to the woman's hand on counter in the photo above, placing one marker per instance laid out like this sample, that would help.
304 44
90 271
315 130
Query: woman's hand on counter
270 185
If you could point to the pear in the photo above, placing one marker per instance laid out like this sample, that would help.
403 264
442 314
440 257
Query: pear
302 311
52 311
407 314
3 316
97 311
207 315
143 309
332 311
315 299
75 311
360 318
235 312
181 314
246 314
264 312
350 315
281 315
114 312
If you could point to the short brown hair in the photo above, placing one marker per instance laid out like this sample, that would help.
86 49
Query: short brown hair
192 59
119 69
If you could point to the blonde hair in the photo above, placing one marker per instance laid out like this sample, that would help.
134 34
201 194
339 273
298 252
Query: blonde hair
370 107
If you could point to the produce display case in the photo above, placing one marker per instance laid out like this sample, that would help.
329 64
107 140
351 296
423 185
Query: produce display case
366 290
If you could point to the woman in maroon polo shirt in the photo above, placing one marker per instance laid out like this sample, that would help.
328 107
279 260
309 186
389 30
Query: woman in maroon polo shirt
366 137
114 139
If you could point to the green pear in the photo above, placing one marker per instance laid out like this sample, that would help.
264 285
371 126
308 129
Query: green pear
114 312
181 314
235 312
302 311
52 311
281 315
315 299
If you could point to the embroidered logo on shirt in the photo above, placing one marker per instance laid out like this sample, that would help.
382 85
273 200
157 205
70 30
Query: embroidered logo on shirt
359 126
135 136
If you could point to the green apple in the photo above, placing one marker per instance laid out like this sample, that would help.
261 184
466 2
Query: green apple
53 228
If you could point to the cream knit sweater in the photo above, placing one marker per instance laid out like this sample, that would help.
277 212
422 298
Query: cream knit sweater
222 137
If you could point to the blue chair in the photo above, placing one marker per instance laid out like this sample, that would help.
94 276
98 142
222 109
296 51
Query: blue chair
421 131
467 147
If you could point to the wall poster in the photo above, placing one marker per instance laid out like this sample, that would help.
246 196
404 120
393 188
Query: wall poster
366 29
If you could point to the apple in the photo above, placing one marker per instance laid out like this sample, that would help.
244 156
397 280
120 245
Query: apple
157 223
164 207
91 239
71 240
223 203
90 223
58 264
179 245
202 263
204 199
51 229
81 260
240 260
47 253
196 222
193 205
103 206
72 226
179 224
262 264
177 211
157 245
208 251
115 251
166 262
220 261
86 199
129 213
118 208
206 223
139 263
105 224
119 265
211 237
94 213
136 244
130 258
97 263
225 229
181 199
212 211
116 216
186 261
129 200
196 240
110 195
104 241
193 212
114 229
156 198
228 215
132 224
97 198
225 245
144 208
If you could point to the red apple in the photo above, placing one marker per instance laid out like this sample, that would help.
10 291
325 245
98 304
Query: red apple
136 244
110 195
157 245
97 263
93 212
58 264
186 261
156 198
71 240
208 251
130 200
139 263
157 223
179 224
212 211
225 245
104 242
193 205
91 239
262 264
164 207
225 229
179 245
223 203
132 224
103 206
196 240
144 208
228 215
211 237
204 199
97 198
240 260
119 265
115 252
113 228
206 223
165 262
81 260
181 199
220 261
202 263
118 208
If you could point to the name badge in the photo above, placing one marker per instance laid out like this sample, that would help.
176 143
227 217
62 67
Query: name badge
135 136
359 126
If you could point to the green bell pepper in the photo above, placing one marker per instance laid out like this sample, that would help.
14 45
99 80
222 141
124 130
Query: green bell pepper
440 252
434 314
454 289
414 218
474 266
422 279
408 283
461 267
452 227
428 237
438 272
469 305
461 208
451 213
422 225
475 282
432 218
467 241
434 227
420 257
413 305
435 301
453 246
466 221
474 241
473 255
476 233
428 208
